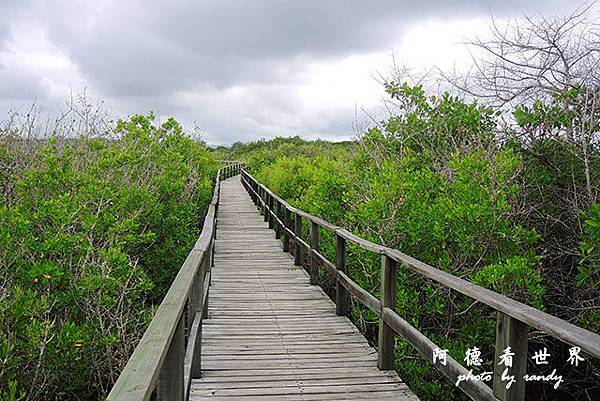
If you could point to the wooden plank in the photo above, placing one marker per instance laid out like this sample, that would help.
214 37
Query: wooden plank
274 349
300 390
291 382
261 374
305 375
398 395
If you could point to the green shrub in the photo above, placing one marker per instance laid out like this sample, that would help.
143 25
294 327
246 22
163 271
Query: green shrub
92 231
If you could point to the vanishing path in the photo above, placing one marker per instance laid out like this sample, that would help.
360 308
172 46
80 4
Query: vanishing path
241 320
270 335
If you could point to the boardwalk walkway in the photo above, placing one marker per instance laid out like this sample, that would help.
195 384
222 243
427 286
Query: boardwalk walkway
270 335
262 332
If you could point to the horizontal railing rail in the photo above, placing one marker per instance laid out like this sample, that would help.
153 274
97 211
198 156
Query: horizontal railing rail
168 356
230 162
513 318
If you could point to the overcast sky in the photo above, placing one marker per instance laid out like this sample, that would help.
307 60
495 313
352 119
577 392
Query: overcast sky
241 69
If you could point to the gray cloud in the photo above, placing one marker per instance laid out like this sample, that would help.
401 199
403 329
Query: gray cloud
151 54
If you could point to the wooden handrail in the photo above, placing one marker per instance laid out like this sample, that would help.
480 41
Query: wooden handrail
166 359
513 317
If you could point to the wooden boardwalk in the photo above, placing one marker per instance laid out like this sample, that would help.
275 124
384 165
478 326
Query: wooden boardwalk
262 332
270 335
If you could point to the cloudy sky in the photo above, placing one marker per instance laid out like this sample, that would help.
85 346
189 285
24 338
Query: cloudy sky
242 69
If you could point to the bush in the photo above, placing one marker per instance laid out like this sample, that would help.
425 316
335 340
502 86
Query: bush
92 231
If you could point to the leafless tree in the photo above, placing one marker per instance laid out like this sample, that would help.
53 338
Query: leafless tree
549 61
532 59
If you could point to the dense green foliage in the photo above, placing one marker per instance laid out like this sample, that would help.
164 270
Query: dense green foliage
92 231
433 181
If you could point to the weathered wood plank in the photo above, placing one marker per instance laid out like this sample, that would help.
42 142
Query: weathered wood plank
301 390
386 341
511 335
342 301
171 381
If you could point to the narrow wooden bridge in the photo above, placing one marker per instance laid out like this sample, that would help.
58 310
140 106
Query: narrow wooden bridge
269 332
243 319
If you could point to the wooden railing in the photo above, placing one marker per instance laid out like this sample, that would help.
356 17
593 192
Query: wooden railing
231 168
168 355
513 318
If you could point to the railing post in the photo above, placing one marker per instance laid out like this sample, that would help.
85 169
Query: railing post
189 316
211 246
193 301
314 247
341 294
199 290
263 208
286 224
212 242
510 333
196 371
386 340
205 269
264 198
277 212
170 379
298 233
271 209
